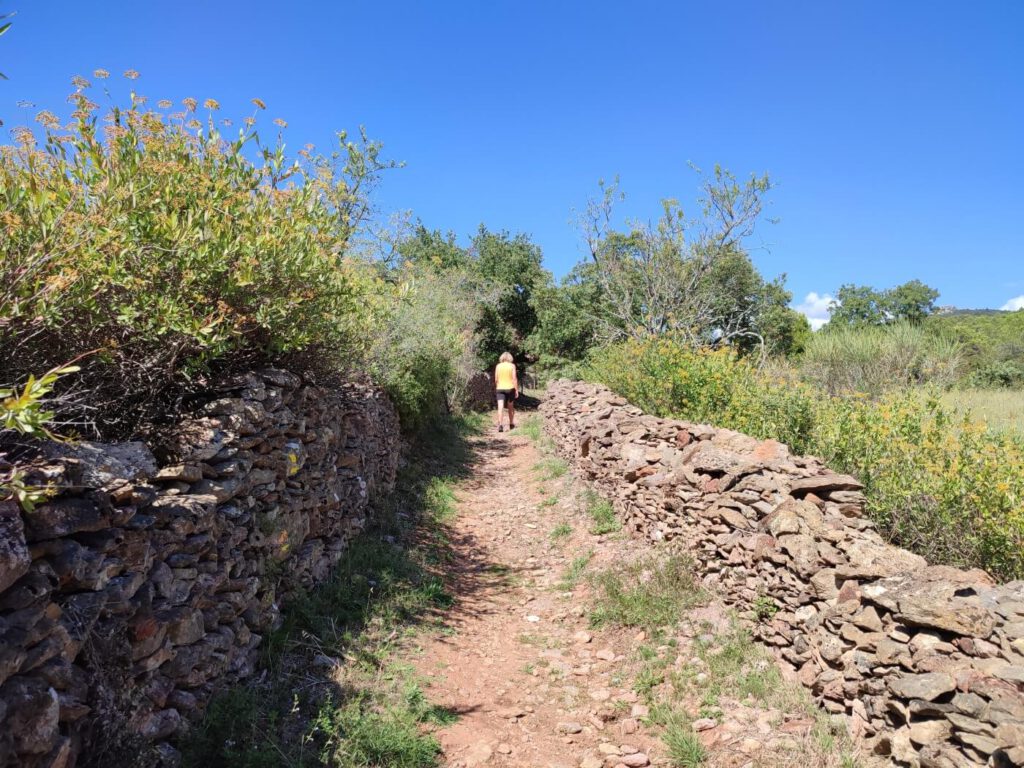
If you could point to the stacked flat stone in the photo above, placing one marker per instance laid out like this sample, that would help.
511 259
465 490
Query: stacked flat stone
146 584
926 661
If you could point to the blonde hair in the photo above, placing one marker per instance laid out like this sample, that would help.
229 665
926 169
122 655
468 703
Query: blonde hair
506 357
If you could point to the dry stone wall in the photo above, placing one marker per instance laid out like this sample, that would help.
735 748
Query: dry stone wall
926 661
149 580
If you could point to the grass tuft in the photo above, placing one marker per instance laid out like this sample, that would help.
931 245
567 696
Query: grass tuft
602 513
648 593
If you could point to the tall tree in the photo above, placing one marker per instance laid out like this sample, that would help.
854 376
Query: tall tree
512 265
689 277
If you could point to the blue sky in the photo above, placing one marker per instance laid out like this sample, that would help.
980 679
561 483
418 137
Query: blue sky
893 130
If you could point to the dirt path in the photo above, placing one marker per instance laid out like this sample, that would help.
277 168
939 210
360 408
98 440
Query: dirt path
534 685
515 666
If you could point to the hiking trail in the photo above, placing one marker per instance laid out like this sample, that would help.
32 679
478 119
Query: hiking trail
534 684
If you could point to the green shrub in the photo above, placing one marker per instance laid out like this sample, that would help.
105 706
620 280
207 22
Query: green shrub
943 485
424 350
170 247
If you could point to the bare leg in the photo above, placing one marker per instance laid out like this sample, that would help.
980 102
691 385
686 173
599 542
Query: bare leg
511 414
501 411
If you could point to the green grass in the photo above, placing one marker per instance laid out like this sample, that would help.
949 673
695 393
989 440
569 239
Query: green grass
389 583
602 513
550 501
684 748
650 593
550 468
574 573
561 530
357 735
1001 409
532 427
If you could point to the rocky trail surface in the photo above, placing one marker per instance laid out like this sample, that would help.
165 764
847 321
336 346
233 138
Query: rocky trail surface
533 683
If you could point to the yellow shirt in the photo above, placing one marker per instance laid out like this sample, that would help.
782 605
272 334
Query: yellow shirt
505 375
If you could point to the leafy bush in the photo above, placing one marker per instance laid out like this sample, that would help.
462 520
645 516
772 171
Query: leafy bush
424 348
168 247
1001 374
943 485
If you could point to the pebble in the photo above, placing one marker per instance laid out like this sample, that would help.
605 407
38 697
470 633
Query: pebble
606 654
606 748
569 727
629 725
704 724
505 749
592 762
601 694
582 637
635 760
532 618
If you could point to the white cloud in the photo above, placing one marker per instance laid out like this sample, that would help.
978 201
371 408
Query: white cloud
815 307
1014 304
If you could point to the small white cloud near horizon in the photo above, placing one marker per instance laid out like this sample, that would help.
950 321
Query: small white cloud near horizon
1017 302
815 308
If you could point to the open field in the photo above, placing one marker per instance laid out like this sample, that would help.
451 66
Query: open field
1000 408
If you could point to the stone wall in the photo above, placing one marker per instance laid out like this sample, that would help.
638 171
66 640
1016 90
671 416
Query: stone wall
926 661
147 583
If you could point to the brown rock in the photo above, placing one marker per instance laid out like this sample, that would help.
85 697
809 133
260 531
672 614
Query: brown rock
928 686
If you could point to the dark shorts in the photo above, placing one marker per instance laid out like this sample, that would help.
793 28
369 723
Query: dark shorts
506 395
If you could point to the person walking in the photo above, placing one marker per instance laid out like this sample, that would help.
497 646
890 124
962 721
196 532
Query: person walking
506 386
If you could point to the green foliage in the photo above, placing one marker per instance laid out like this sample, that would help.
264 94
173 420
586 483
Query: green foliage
764 607
575 571
684 748
688 277
876 358
561 530
550 468
362 737
171 247
860 305
423 350
650 593
602 512
992 343
941 484
23 412
512 266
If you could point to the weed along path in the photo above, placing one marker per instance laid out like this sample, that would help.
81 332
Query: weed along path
566 644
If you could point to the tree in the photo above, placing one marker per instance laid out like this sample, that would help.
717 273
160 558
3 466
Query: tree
691 278
860 305
913 301
511 265
431 247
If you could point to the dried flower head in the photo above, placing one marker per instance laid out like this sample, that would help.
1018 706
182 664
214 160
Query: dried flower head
250 122
227 122
164 103
48 120
100 74
194 124
259 103
190 104
280 123
80 82
23 135
131 74
211 104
